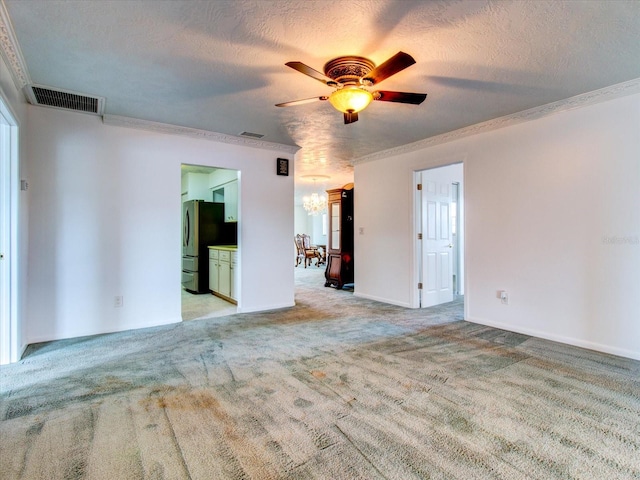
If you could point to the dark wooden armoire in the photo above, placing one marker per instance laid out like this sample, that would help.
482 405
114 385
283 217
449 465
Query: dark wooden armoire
340 239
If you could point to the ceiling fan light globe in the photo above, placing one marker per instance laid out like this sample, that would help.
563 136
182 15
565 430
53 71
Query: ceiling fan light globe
350 99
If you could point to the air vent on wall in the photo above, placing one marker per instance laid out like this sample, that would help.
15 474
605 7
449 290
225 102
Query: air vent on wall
64 99
251 135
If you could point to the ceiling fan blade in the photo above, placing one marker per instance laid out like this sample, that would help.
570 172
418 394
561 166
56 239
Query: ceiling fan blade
350 117
302 102
307 70
398 62
399 97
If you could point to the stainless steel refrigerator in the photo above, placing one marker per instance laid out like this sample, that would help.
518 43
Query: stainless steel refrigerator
202 225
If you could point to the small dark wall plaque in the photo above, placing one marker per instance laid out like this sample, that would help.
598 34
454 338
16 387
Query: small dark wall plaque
282 167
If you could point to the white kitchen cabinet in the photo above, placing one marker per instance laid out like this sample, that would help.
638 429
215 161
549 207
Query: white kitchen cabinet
221 275
224 273
231 202
213 270
224 189
195 186
234 265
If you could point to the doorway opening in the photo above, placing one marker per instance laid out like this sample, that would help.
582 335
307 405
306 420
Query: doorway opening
9 349
440 238
210 276
315 226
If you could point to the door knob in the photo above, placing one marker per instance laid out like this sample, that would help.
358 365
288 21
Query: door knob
450 245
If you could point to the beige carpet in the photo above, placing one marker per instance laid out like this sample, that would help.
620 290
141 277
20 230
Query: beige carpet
334 388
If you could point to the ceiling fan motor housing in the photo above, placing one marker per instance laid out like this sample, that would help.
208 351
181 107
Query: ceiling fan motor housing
348 70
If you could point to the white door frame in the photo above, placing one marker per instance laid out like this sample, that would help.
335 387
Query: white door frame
418 229
237 269
9 348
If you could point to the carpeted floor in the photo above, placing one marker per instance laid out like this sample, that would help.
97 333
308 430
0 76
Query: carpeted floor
334 388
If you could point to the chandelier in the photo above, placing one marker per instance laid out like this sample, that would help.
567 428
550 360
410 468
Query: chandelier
314 204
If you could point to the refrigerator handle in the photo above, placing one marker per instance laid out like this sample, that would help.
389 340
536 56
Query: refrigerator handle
187 229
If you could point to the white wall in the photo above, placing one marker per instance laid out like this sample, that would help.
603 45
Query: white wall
384 203
105 220
302 223
551 216
317 235
309 224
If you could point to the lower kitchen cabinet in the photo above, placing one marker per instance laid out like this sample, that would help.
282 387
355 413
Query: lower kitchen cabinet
224 273
213 270
221 274
234 265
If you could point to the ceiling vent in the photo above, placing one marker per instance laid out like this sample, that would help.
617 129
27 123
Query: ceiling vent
64 99
251 135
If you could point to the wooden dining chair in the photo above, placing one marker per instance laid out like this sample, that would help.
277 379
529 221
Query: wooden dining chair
305 252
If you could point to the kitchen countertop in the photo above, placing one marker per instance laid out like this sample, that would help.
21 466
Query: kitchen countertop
230 248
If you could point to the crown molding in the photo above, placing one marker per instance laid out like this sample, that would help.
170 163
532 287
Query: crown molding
10 49
590 98
128 122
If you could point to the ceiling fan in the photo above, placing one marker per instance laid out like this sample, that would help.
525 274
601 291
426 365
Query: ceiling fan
350 76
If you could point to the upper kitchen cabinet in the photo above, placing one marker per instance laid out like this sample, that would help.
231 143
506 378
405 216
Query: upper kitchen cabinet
231 201
195 186
224 188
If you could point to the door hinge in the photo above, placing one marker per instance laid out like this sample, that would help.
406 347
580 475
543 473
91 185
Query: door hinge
419 186
420 286
419 236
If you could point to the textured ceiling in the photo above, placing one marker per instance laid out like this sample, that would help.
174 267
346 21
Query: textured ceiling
219 65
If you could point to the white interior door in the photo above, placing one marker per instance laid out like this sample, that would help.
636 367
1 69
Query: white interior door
437 240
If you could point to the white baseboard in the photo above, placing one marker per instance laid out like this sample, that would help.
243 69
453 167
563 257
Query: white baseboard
576 342
87 333
383 300
22 350
264 308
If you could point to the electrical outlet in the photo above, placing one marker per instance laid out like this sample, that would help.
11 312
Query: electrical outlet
504 297
118 301
361 230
